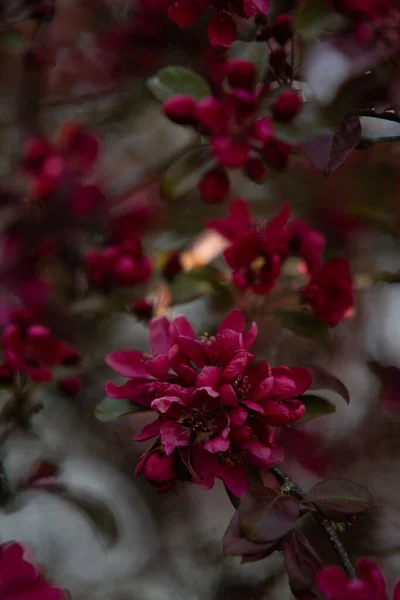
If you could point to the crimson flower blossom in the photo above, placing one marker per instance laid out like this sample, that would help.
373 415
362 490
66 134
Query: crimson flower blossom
221 27
330 291
30 348
257 251
369 584
215 406
20 580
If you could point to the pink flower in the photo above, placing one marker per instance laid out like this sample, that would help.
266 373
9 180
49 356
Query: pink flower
255 252
20 580
214 407
369 584
330 291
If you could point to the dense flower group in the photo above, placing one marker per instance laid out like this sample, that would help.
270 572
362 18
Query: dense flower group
215 405
29 348
123 264
257 252
61 167
239 139
370 583
221 27
20 580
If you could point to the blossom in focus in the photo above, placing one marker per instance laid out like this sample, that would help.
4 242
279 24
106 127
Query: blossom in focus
215 408
330 291
29 347
369 584
20 580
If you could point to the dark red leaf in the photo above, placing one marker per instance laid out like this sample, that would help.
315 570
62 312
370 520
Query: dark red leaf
266 515
329 152
341 495
302 563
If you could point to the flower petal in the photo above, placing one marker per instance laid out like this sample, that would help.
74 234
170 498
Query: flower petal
173 435
164 403
159 336
218 444
234 321
129 363
181 326
193 349
149 431
235 366
221 30
209 376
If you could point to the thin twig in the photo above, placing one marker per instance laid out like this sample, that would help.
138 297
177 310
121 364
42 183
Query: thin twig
295 490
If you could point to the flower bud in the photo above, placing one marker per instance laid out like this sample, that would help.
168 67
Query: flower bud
232 154
276 154
159 470
142 309
241 73
215 186
282 28
125 271
180 109
287 106
70 386
172 267
255 170
211 114
262 129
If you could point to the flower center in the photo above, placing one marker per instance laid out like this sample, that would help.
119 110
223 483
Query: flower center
207 339
242 386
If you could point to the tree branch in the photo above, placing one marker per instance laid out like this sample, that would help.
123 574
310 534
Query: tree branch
291 487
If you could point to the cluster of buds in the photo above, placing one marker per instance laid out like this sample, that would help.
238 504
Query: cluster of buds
239 139
215 406
122 264
373 21
31 352
221 27
257 251
59 168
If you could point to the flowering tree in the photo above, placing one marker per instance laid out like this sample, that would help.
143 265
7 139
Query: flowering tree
277 93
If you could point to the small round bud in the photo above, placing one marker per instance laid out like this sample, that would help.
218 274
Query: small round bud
241 73
142 309
282 28
276 154
215 186
256 170
210 113
172 267
70 386
180 109
125 271
287 106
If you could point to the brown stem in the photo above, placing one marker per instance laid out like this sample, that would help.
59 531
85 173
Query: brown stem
292 488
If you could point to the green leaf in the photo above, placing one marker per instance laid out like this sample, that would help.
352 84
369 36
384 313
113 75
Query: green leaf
256 52
185 173
307 325
171 81
185 288
323 380
112 408
341 495
315 16
197 282
315 407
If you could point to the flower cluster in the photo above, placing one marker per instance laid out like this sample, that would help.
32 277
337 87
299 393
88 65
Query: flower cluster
221 27
29 348
20 580
257 252
215 405
370 583
61 167
121 264
373 21
238 138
